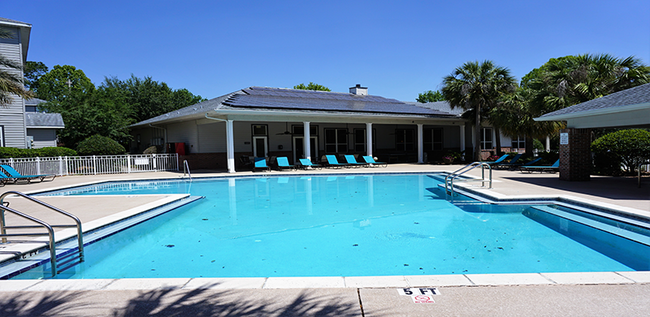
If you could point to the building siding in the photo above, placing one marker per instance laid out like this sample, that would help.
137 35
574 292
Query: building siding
12 115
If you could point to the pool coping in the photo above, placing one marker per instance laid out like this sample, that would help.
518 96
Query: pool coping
460 280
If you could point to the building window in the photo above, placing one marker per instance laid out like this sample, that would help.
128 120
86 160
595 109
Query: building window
259 129
433 139
404 139
519 142
486 139
336 140
300 129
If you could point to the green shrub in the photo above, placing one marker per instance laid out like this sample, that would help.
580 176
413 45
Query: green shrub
11 152
623 149
55 151
100 145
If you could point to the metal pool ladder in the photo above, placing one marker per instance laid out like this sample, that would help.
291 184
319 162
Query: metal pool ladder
186 169
451 178
67 260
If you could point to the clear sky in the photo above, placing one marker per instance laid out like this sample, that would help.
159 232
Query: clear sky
395 48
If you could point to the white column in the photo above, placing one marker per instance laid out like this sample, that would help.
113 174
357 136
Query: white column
230 146
307 141
462 141
368 139
420 143
548 144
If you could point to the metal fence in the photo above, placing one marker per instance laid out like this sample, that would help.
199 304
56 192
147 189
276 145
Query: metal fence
93 165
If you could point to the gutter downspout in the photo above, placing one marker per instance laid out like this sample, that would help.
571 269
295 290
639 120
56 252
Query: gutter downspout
164 136
230 143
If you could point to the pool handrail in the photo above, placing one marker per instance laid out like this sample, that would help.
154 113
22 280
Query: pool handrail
186 168
5 207
449 180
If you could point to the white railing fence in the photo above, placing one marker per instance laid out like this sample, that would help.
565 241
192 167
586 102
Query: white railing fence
93 165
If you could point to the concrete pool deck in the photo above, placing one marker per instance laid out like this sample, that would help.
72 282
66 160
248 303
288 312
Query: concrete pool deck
611 293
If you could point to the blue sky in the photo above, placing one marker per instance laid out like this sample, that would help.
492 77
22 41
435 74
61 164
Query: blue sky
395 48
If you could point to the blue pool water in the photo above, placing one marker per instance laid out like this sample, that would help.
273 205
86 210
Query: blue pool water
342 226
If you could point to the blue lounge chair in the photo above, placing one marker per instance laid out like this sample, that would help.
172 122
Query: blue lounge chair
17 176
542 168
510 164
353 161
531 162
260 163
371 162
305 163
283 163
333 162
498 161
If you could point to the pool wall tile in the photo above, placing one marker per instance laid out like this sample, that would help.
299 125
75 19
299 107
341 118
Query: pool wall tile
305 282
147 283
226 283
508 279
588 278
638 276
70 285
376 281
438 280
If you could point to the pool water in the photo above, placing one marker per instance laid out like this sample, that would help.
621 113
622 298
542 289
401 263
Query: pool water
341 226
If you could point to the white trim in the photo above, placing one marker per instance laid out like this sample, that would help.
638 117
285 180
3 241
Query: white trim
594 112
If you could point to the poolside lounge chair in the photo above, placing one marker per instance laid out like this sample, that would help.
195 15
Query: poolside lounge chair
333 162
530 163
372 163
542 168
260 163
305 163
17 176
283 163
352 161
510 164
498 161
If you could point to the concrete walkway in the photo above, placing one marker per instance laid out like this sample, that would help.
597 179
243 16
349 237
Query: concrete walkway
610 293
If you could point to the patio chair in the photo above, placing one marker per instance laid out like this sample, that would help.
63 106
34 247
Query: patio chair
260 164
17 176
372 163
352 161
498 161
305 163
530 163
283 163
542 168
333 162
510 164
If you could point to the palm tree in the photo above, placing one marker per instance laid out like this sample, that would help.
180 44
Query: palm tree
477 87
10 81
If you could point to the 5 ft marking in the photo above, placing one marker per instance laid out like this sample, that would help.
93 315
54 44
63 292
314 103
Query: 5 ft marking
418 291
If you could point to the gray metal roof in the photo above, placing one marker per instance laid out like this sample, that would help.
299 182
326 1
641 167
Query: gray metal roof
33 102
255 99
43 120
633 96
13 21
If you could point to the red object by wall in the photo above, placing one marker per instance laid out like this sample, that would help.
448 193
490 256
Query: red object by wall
180 148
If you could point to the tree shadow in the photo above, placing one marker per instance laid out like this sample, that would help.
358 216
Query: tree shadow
178 302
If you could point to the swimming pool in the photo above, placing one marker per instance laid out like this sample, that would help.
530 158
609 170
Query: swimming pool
354 225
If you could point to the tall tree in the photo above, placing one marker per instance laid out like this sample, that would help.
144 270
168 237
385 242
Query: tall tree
563 82
477 86
311 86
63 82
430 96
11 81
32 72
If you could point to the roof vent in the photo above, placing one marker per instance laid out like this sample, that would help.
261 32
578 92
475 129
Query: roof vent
358 90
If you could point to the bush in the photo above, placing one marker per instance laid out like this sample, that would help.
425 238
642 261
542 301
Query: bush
55 151
11 152
624 149
100 145
151 150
